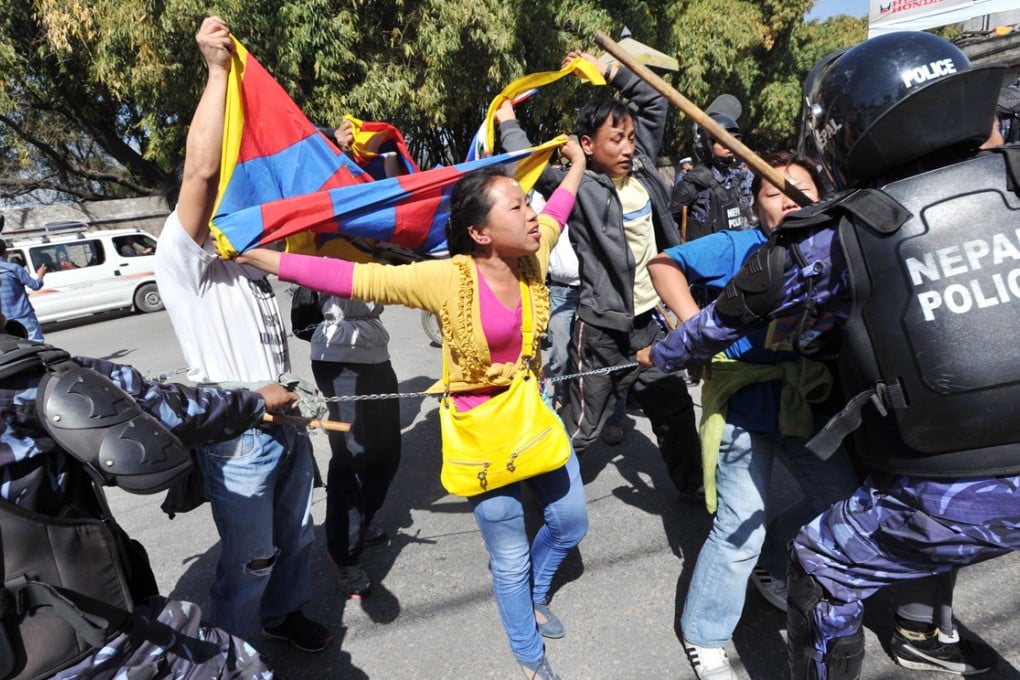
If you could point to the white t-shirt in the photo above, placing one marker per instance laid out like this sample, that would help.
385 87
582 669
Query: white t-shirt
225 314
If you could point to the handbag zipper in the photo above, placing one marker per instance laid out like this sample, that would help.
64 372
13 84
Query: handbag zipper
527 445
481 473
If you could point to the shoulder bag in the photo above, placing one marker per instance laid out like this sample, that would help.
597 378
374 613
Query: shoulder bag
512 436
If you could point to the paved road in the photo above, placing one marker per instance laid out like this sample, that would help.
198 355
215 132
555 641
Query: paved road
432 614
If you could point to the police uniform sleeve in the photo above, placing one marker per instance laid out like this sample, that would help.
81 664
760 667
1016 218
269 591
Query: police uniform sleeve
195 415
697 340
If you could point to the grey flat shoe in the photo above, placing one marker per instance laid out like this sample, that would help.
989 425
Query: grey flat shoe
553 627
539 670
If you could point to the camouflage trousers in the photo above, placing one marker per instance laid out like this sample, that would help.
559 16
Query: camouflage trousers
167 639
899 528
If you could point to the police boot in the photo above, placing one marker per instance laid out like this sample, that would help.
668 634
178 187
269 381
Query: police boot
845 655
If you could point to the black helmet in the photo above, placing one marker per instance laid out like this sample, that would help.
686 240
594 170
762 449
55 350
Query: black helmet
894 99
703 141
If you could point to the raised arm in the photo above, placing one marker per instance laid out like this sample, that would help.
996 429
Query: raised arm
205 136
561 202
513 138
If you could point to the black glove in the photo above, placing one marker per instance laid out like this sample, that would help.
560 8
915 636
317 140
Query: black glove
701 177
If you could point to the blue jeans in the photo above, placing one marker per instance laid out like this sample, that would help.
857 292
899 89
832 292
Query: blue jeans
31 324
562 305
522 574
715 599
260 488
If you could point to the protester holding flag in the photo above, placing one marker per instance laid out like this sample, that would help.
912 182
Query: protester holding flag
229 328
621 219
500 248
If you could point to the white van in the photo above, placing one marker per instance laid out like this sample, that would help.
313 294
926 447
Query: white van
88 271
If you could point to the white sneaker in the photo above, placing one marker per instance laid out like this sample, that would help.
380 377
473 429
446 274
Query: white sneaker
709 663
774 591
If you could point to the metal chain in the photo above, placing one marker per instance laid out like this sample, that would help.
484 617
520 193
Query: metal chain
414 395
595 371
408 395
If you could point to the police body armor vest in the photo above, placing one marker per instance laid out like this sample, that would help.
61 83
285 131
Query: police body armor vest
724 211
69 581
935 338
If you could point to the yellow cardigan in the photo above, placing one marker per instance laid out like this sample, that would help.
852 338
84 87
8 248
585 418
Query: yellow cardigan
449 289
805 382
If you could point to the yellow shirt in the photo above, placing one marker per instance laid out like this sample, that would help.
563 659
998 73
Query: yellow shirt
640 233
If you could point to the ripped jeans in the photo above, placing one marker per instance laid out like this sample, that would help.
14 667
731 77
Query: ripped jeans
260 488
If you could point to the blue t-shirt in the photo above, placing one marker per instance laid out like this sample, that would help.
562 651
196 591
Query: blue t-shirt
711 261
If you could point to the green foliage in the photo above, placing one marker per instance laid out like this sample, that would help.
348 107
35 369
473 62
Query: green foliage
96 94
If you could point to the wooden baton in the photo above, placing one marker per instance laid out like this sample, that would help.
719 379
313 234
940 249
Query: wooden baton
311 423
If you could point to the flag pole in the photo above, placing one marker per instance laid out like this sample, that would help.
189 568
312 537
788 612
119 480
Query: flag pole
718 133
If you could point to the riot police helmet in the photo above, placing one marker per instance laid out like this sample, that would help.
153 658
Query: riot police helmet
703 142
895 99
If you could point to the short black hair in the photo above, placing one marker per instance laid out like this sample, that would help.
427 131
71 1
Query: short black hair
3 247
470 204
597 111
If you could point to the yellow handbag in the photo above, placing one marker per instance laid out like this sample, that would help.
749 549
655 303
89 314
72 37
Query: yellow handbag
512 436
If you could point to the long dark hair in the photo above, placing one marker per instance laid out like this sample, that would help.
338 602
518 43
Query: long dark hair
469 206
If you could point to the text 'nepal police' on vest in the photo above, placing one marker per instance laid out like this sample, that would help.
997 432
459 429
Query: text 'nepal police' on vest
975 274
934 354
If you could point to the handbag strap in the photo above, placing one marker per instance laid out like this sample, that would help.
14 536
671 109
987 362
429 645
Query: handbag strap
527 334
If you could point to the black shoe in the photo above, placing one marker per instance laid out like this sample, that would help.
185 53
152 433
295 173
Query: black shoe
353 580
300 632
932 650
374 536
612 434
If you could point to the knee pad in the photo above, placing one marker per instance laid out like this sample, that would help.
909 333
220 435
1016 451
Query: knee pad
844 656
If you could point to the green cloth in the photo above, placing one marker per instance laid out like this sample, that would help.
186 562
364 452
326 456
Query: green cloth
805 382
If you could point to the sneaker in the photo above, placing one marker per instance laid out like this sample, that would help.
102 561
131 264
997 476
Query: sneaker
539 670
933 650
374 536
709 663
553 627
353 580
773 590
612 435
300 632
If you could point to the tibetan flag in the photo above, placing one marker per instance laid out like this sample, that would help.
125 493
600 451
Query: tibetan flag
373 141
409 211
520 90
280 177
270 148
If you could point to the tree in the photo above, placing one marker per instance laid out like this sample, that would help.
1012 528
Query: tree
96 94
